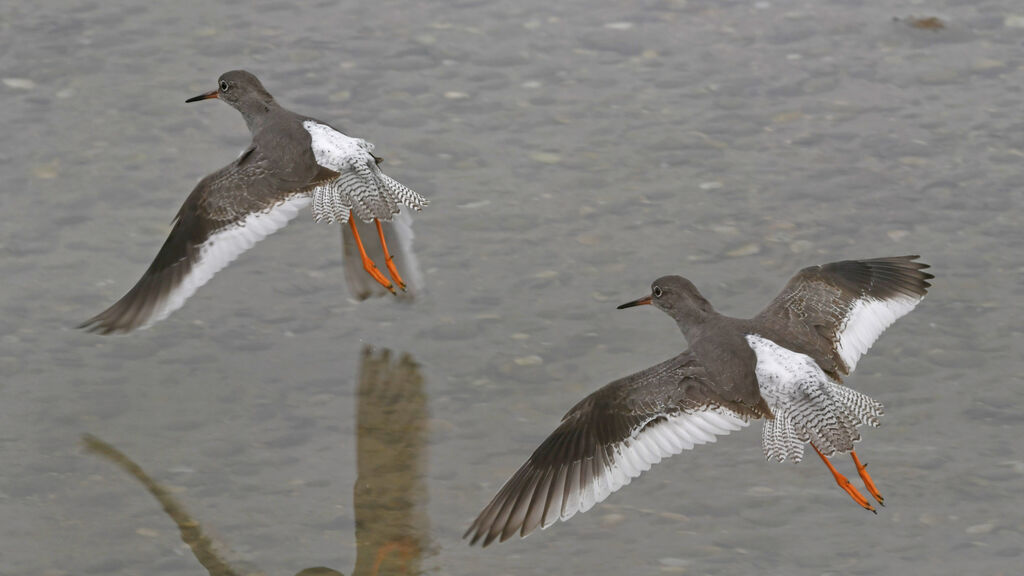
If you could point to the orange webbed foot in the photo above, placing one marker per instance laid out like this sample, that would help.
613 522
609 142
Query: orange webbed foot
388 259
845 484
862 470
368 264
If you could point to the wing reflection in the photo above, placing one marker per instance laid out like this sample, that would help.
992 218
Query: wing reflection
191 531
392 528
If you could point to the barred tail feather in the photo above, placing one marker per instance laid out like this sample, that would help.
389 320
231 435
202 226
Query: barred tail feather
403 193
828 417
360 188
331 203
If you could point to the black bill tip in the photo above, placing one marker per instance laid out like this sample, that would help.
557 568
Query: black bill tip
638 302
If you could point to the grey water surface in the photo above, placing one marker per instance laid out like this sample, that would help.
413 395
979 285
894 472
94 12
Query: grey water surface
572 151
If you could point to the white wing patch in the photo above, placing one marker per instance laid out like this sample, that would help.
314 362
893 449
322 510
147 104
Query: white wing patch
222 247
867 319
663 437
808 406
360 187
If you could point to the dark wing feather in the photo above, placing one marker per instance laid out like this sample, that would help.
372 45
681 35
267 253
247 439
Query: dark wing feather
605 441
835 312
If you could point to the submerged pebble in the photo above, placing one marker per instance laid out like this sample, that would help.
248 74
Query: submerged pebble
19 83
612 520
981 528
545 157
531 360
745 250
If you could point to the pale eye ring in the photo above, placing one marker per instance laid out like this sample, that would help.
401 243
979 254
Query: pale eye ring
657 292
224 86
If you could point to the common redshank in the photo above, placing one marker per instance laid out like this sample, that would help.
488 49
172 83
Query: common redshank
784 365
292 162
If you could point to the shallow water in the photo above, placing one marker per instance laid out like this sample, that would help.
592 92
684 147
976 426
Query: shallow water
573 151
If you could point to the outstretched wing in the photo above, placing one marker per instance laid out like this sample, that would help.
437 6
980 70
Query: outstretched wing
605 441
226 213
835 312
360 187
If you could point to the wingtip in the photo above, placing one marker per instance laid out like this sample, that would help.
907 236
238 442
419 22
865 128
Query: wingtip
115 321
100 324
94 325
491 537
915 260
473 534
921 266
478 535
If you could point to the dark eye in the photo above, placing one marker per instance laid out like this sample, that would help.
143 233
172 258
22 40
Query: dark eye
656 292
224 86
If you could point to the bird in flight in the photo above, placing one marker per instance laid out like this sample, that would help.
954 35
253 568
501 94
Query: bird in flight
293 161
784 365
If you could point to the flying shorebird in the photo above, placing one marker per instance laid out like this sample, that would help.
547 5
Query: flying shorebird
784 365
292 162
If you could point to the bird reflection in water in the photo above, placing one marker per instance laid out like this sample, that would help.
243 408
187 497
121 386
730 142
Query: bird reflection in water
392 528
191 531
390 494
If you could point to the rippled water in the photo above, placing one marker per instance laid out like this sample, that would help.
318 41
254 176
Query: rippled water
573 151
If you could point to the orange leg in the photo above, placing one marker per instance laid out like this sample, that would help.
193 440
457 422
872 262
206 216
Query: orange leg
367 263
845 484
402 547
387 257
862 469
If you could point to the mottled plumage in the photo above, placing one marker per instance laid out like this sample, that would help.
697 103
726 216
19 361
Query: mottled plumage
782 365
293 160
608 439
829 312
